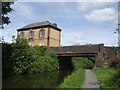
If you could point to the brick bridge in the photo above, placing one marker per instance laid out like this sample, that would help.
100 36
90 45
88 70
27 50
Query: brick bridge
104 56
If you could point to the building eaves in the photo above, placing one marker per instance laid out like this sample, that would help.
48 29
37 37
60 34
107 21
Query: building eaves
39 25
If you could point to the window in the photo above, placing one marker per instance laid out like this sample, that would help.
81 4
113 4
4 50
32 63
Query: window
30 45
22 34
42 33
31 34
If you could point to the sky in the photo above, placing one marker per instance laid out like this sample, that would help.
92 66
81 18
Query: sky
81 22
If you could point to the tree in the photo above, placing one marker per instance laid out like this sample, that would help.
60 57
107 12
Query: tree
5 10
21 56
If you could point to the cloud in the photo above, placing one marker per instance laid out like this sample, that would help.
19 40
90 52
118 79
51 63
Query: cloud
88 4
24 10
83 6
91 35
106 14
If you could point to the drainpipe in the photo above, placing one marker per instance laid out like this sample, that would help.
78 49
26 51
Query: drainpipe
48 37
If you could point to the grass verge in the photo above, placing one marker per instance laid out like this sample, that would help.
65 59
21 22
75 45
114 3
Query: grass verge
75 80
107 77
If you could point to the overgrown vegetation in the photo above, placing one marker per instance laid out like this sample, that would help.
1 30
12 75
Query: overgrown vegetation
21 56
107 77
25 59
46 62
80 62
75 80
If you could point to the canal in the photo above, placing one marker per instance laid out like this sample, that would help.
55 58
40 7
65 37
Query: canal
41 80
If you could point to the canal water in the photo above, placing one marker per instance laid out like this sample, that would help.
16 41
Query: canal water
41 80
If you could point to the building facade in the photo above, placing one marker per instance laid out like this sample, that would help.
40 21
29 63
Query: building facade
42 33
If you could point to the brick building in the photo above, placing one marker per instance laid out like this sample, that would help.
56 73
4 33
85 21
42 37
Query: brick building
42 33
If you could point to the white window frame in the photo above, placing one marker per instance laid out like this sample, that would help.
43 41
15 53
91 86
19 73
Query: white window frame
31 34
42 33
22 34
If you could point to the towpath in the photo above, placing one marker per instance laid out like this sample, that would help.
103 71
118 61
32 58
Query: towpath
91 82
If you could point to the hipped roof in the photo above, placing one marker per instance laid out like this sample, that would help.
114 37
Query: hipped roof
39 25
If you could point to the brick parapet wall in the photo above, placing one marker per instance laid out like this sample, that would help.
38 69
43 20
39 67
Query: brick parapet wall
105 56
76 49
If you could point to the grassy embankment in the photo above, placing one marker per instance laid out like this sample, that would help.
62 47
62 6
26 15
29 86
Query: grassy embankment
75 80
107 77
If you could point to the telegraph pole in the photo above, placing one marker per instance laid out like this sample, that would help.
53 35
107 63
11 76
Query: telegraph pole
118 31
119 35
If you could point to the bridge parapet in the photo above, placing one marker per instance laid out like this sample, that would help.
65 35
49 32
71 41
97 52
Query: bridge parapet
105 56
77 49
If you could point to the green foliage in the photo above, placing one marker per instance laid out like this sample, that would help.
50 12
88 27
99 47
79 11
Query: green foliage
21 57
26 59
21 43
5 10
79 62
47 62
92 59
75 80
107 77
39 50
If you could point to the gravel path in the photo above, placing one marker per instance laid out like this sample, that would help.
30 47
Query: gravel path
90 81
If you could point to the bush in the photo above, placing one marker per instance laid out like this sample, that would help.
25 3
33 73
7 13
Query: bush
47 62
38 50
21 57
79 62
26 59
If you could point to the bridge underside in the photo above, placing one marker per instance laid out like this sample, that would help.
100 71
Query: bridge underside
65 63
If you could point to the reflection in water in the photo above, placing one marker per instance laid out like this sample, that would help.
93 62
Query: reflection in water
41 80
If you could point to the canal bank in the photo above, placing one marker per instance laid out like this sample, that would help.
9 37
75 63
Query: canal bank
40 80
